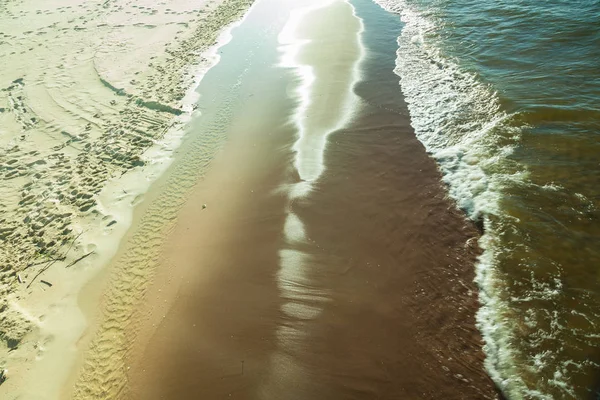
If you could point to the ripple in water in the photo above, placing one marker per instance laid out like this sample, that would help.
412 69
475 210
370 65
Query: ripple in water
507 104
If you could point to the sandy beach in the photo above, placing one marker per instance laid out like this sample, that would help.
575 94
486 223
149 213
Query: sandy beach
94 96
203 206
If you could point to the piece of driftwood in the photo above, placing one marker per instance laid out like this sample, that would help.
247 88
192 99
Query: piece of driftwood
43 262
52 262
41 271
61 258
71 246
79 259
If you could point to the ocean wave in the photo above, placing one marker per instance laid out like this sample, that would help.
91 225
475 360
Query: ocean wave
460 121
538 331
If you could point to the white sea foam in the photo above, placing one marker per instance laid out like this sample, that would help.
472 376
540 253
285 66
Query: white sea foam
461 124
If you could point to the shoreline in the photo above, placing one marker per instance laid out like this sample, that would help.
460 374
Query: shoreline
124 281
49 343
90 298
343 293
311 291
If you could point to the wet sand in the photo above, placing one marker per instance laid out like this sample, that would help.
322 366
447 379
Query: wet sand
337 272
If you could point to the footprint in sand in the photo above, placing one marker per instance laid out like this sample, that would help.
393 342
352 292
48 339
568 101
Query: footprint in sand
42 345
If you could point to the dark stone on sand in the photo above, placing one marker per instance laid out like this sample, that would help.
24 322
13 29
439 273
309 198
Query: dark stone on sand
136 162
153 105
480 224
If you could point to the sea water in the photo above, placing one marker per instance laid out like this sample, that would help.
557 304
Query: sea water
506 97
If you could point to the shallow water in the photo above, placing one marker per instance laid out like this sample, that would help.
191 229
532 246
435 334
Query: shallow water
328 263
505 97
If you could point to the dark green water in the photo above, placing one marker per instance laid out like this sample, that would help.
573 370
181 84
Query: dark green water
506 97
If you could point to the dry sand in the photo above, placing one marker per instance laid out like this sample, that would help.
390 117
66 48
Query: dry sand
90 95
